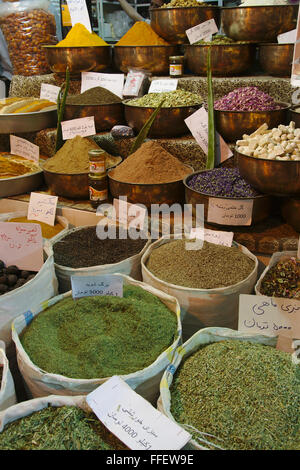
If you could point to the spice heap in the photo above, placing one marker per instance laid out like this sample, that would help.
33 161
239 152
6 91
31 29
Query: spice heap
79 36
141 34
246 395
96 95
82 248
219 39
280 143
25 105
182 3
150 164
211 267
171 98
11 277
100 336
12 166
282 280
249 98
59 428
48 231
225 182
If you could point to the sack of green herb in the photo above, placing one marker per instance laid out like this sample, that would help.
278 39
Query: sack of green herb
207 281
233 391
7 387
54 423
70 347
80 251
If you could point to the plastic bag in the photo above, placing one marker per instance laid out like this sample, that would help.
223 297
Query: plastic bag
27 25
7 387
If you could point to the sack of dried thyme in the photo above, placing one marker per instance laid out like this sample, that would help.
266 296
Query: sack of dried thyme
7 387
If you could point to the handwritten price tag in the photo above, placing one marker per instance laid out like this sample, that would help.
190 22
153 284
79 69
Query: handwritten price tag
79 13
133 83
212 236
161 86
49 92
287 38
21 245
229 212
202 31
89 286
133 419
113 82
24 148
130 215
81 126
42 207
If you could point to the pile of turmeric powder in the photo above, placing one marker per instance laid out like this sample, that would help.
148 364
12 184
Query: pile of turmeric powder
141 34
79 36
48 231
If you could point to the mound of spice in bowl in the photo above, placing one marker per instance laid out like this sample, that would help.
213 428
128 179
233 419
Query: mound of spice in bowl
248 98
282 280
79 36
141 34
171 99
183 4
97 96
48 231
219 40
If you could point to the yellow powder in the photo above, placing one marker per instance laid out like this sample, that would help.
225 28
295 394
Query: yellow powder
79 36
48 231
141 34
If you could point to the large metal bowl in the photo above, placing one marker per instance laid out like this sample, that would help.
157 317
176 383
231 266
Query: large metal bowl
169 122
279 178
276 59
106 115
20 123
21 184
171 23
78 59
154 59
290 211
226 59
232 125
258 23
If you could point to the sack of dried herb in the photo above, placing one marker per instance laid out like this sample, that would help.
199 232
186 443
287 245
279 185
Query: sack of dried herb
7 387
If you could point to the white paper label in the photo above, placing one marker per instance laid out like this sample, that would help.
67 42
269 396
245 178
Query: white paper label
130 215
24 148
21 245
213 236
42 207
79 13
231 212
81 126
88 286
269 315
113 82
133 419
287 38
161 86
49 92
134 80
201 31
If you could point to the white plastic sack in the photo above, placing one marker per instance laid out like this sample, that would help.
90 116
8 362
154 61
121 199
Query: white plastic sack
13 215
7 387
275 258
145 382
202 337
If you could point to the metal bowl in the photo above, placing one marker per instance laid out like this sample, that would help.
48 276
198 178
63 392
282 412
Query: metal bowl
262 204
106 115
78 59
147 194
294 115
258 23
27 122
232 125
154 59
169 122
279 178
21 184
290 211
226 59
171 23
276 59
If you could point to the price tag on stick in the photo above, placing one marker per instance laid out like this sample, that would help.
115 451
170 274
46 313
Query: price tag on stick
161 86
49 92
88 286
24 148
79 13
81 126
202 31
113 82
231 212
42 207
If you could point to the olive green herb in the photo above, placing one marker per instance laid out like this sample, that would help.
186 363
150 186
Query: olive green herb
170 99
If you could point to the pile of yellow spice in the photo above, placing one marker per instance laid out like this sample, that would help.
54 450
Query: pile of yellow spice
141 34
79 36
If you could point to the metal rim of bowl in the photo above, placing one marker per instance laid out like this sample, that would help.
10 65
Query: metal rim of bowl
125 102
153 184
2 116
21 176
106 104
215 7
73 47
260 44
218 45
148 47
285 108
267 159
257 6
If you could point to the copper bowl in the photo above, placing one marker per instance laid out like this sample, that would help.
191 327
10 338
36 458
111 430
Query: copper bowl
226 59
258 23
169 122
290 211
78 59
171 23
294 115
276 59
106 115
147 194
262 204
154 59
279 178
232 125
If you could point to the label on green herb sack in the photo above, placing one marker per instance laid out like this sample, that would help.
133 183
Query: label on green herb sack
49 92
79 13
90 286
24 148
161 86
133 419
42 208
213 236
229 212
130 215
83 127
202 31
113 82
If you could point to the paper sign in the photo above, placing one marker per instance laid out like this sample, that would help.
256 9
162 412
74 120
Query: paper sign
231 212
287 38
81 126
21 245
269 315
295 77
133 83
42 207
49 92
133 419
161 86
201 31
79 13
87 286
130 215
113 82
212 236
24 148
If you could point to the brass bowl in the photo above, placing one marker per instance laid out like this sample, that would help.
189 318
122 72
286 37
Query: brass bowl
171 23
294 116
226 59
276 59
147 194
154 59
232 125
258 23
275 177
169 122
78 59
262 204
106 115
290 211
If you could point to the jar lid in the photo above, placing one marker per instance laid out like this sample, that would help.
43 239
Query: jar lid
96 152
176 57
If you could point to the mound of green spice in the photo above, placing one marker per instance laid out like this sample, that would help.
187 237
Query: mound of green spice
247 395
95 337
62 428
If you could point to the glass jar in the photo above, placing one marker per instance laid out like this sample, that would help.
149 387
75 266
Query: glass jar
98 183
176 65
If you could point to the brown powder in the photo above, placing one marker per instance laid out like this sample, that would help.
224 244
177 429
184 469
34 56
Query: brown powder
150 164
